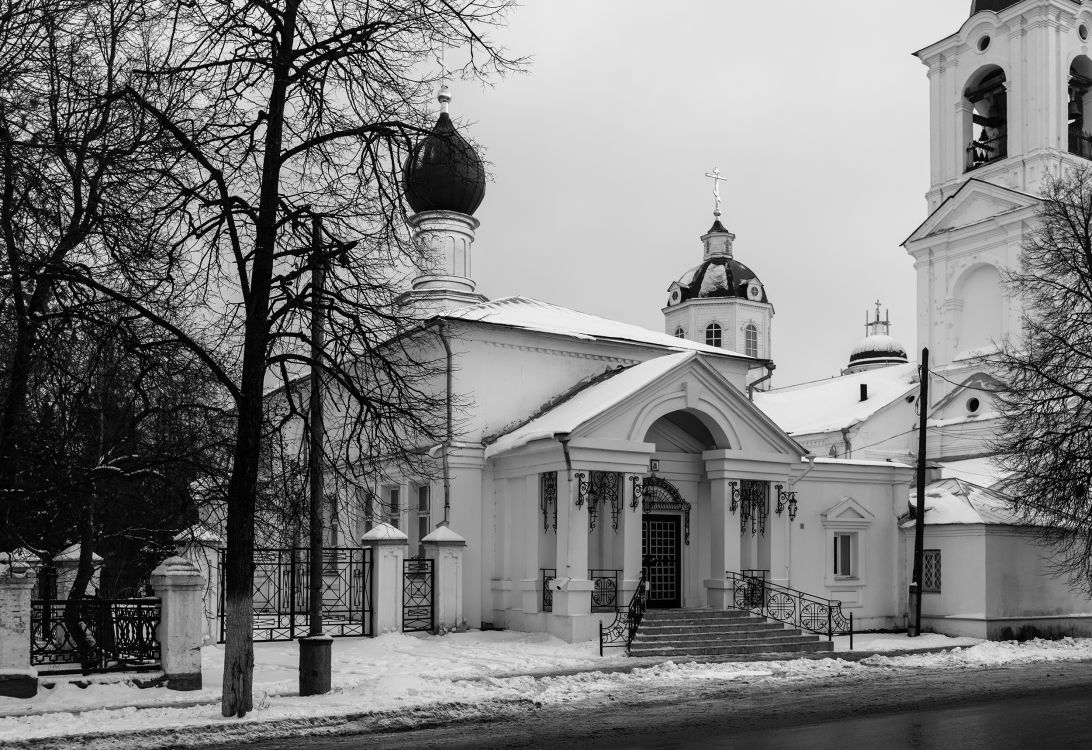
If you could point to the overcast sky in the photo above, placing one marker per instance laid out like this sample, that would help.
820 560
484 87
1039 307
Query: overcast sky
816 112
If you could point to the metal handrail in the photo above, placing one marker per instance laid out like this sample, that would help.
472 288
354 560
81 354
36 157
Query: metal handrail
623 628
790 606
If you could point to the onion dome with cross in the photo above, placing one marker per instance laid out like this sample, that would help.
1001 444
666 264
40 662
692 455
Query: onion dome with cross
443 171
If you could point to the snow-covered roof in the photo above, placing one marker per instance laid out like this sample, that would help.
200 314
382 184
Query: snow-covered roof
587 403
834 404
982 471
955 501
535 315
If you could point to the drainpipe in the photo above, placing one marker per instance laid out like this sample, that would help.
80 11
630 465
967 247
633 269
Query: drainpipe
563 438
770 367
448 428
811 465
845 441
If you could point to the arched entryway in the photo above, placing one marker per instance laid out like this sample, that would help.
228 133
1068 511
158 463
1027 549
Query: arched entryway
665 530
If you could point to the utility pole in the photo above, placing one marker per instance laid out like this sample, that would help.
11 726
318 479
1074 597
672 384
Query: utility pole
316 646
914 626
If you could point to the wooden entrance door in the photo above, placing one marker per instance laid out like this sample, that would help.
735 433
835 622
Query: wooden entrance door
661 555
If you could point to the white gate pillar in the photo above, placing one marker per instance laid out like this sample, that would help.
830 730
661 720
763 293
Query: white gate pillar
724 548
388 546
180 587
445 548
17 678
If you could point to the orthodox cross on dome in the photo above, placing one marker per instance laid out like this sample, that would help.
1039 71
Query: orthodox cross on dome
878 326
717 179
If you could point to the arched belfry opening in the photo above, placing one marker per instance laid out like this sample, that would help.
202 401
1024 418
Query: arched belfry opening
1079 107
985 123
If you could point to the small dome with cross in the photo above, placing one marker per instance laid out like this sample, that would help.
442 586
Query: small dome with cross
443 172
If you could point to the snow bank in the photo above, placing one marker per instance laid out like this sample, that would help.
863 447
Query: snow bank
459 674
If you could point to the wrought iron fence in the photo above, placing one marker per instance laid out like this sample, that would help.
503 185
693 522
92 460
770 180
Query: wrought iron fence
117 634
282 592
548 576
417 590
604 595
623 628
796 608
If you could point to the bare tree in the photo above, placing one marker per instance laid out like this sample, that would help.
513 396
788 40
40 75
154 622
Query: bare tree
294 109
1045 438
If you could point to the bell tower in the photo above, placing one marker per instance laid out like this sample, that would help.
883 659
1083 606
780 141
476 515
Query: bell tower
1010 102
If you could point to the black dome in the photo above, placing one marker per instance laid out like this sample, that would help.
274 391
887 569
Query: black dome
721 277
977 6
444 172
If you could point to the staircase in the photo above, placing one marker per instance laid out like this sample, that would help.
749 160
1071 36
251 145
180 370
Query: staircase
709 632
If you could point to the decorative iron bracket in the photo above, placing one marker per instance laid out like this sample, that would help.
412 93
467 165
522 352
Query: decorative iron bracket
638 491
582 488
549 498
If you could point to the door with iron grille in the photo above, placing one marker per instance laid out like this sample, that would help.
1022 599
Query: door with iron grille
661 556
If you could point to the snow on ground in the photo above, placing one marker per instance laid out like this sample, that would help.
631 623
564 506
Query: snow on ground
897 641
468 672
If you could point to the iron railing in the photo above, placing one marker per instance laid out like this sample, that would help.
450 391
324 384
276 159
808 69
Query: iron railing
796 608
118 634
548 576
281 592
623 628
604 597
417 590
986 150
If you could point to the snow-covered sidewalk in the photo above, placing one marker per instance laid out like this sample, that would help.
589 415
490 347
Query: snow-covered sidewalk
396 673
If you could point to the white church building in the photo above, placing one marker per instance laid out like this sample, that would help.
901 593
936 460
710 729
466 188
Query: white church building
591 453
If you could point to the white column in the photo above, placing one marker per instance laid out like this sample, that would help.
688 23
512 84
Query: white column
466 462
388 546
445 548
530 583
17 678
778 530
572 589
180 587
724 548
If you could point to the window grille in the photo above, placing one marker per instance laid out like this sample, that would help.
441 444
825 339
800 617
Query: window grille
930 571
680 333
751 341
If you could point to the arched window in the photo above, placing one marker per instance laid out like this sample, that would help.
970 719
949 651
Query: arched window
712 334
750 340
986 113
680 333
1079 109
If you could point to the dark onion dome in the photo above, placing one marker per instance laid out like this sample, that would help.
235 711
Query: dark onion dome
877 349
443 171
719 276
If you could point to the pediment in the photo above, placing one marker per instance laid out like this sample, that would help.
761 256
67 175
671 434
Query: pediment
974 203
955 405
846 512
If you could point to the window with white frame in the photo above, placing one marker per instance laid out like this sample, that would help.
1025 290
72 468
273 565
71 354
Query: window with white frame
930 571
750 340
713 334
846 526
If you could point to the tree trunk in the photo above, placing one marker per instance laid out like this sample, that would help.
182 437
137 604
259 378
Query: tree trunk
237 698
74 624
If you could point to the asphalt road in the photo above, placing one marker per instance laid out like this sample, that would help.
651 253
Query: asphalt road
1037 706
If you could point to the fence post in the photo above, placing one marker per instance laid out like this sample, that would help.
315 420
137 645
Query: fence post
17 678
180 587
445 548
388 546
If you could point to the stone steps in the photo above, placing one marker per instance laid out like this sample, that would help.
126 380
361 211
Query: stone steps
705 632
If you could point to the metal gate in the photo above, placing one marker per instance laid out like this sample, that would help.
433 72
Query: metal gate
282 593
417 599
660 543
